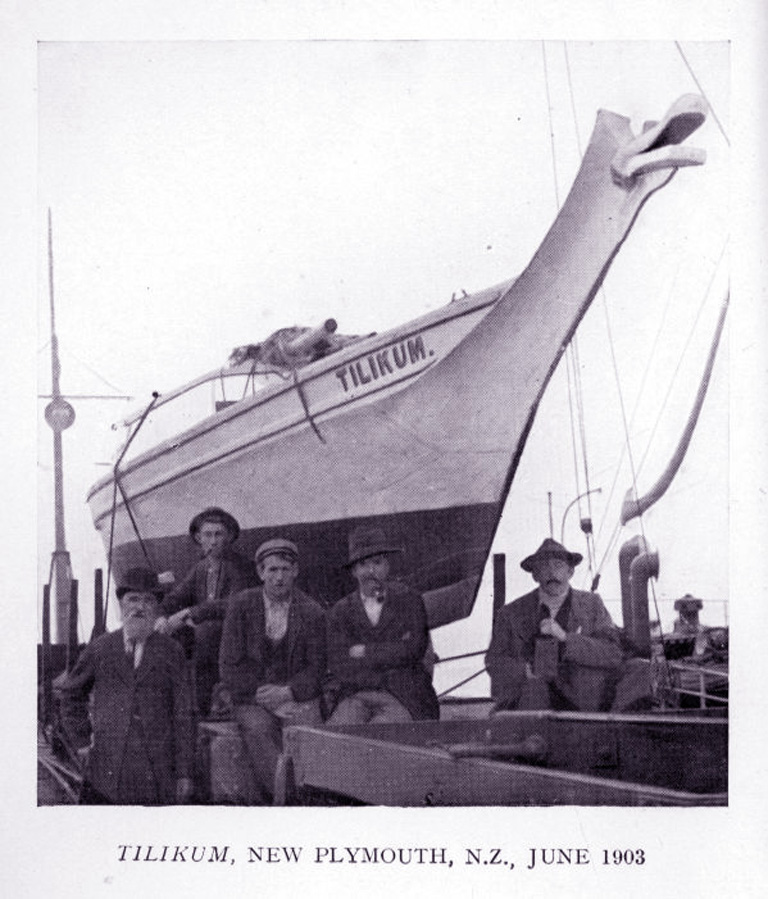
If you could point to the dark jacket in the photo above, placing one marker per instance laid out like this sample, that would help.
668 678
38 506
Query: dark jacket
241 661
592 642
236 574
394 649
155 697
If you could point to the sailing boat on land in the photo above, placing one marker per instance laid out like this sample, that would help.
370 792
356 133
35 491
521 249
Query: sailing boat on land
419 429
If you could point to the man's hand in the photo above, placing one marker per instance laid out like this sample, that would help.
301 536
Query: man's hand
82 755
177 621
272 696
550 628
184 789
357 651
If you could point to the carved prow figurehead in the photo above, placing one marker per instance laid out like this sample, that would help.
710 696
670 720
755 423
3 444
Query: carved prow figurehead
658 146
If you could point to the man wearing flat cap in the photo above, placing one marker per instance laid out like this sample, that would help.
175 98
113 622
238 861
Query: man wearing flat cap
272 659
126 706
556 647
377 637
194 609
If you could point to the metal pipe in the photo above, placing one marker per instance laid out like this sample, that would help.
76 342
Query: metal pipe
643 568
627 554
99 625
46 675
499 582
571 505
72 641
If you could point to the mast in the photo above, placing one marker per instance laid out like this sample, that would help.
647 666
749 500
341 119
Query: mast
59 415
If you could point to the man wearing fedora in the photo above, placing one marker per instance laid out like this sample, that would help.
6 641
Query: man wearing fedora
377 638
138 735
555 647
194 610
273 659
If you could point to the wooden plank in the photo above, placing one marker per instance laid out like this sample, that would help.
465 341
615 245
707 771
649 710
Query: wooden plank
593 759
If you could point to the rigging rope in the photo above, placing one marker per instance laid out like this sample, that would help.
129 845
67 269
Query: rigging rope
551 129
702 92
683 353
572 366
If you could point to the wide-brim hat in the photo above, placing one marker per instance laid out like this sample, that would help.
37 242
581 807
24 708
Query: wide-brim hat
551 549
277 547
216 515
139 580
688 603
367 541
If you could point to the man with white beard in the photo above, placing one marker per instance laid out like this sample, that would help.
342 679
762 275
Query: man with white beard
126 706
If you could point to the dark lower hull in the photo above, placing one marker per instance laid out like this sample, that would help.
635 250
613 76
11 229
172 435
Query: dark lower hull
443 551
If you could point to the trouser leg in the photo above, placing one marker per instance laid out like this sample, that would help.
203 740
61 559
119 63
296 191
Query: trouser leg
388 710
262 735
351 710
633 690
377 706
207 642
534 696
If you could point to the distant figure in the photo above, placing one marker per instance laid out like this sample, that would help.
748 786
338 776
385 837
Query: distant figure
138 737
377 637
558 648
200 600
273 659
687 621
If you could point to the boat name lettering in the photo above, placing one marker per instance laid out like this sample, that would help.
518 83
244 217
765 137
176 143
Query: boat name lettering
383 363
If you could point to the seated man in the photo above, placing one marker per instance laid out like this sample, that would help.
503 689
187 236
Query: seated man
200 600
272 659
377 637
556 647
138 735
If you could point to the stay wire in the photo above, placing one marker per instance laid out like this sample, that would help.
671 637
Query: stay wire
702 92
551 128
575 388
676 372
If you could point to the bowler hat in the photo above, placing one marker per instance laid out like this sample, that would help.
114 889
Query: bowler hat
278 546
551 549
139 580
215 514
367 541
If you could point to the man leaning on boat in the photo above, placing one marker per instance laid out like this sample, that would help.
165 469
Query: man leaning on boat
557 647
194 610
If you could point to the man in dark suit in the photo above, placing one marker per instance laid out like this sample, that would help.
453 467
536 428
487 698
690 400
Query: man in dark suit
137 738
377 638
555 647
194 610
272 659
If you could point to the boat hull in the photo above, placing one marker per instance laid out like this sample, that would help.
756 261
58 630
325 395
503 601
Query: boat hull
419 430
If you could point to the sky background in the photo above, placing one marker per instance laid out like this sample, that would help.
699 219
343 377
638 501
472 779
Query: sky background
204 194
48 848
